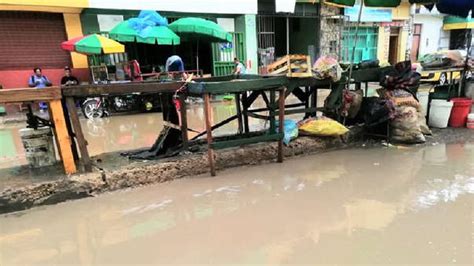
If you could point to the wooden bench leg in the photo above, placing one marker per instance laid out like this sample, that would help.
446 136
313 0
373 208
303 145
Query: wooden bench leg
81 141
281 124
64 141
210 151
184 121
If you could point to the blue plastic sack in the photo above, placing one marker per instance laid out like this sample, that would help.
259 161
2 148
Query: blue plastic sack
290 130
154 17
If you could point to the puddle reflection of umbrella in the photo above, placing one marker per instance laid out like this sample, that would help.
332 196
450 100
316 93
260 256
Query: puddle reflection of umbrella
200 29
93 44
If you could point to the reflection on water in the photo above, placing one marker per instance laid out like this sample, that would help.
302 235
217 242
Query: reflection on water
125 132
365 207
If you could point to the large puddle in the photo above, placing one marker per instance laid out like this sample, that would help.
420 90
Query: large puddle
383 206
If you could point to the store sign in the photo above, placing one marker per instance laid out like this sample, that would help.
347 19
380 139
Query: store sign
285 6
108 22
369 14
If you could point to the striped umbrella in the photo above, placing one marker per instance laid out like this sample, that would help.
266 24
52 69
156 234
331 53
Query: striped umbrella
93 44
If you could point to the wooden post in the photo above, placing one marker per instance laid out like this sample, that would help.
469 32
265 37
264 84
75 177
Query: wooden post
272 109
245 105
64 142
184 120
210 151
81 141
239 113
314 100
281 126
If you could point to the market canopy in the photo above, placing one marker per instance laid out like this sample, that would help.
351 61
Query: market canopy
162 35
457 23
149 27
93 44
192 28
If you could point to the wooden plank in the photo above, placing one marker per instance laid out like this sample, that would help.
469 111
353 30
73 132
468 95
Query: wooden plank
280 70
277 64
29 95
240 85
81 141
300 75
64 141
210 151
184 120
218 125
281 125
118 89
245 141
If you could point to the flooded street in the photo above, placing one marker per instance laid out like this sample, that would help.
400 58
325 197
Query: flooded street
381 206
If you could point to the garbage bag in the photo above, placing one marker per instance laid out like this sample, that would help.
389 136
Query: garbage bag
290 132
327 67
352 102
375 111
405 126
322 127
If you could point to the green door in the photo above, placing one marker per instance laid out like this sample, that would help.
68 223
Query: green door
223 54
366 48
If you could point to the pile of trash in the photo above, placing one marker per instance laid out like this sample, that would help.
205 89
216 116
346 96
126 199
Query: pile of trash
395 109
314 126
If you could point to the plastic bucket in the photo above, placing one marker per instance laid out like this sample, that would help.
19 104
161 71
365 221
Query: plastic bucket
440 112
423 98
470 121
460 111
39 146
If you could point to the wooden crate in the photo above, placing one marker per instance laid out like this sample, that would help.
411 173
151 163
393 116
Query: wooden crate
294 66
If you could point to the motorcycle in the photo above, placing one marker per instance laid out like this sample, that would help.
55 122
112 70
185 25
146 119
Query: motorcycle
103 106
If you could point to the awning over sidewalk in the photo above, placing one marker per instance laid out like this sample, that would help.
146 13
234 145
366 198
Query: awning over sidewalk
458 23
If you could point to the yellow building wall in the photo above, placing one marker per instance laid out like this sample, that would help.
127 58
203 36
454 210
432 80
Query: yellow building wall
402 12
74 29
48 3
402 45
383 45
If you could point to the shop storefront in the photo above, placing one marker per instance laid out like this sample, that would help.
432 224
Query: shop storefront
282 33
31 37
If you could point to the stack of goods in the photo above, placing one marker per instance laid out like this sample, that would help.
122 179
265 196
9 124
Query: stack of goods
407 122
293 66
327 68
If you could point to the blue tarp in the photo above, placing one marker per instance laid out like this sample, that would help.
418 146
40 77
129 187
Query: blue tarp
145 22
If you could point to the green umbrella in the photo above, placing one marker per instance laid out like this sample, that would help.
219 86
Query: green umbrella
200 29
161 35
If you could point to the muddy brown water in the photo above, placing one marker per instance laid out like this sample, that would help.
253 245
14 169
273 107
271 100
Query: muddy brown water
130 132
381 206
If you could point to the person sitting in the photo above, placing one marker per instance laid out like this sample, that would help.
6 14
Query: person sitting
239 68
69 79
175 66
38 80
